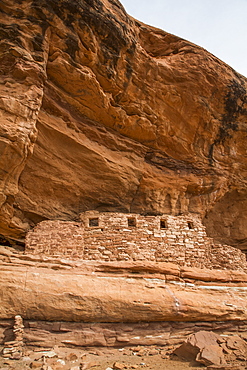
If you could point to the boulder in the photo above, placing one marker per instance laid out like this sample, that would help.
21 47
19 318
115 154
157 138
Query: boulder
214 351
203 347
211 354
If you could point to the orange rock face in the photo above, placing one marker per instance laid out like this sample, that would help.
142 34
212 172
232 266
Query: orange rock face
95 303
100 111
52 289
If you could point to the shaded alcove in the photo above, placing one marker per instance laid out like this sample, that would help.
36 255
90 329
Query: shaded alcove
226 222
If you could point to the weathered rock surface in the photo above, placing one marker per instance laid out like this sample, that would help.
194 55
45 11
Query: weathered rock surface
40 289
213 350
47 295
99 111
93 303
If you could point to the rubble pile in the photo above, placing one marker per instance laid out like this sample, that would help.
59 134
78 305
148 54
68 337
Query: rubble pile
214 351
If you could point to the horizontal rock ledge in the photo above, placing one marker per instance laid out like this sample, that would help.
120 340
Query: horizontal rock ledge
166 270
48 334
42 294
172 269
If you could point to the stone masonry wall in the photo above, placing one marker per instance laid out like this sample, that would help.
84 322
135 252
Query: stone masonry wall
121 237
56 238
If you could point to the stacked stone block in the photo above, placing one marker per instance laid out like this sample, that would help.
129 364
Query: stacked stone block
14 349
56 238
223 256
180 239
112 236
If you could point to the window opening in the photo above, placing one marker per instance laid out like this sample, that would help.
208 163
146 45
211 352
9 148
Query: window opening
190 225
132 222
93 222
163 224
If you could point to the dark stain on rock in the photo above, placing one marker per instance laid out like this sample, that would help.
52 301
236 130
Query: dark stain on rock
72 46
40 19
96 4
235 101
163 162
110 36
103 24
108 29
64 9
129 69
37 42
129 57
39 11
131 49
118 5
19 14
11 33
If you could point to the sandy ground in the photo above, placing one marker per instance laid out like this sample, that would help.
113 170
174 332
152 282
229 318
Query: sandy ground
97 359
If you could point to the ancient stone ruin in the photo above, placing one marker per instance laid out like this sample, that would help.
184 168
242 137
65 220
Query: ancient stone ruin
112 236
100 111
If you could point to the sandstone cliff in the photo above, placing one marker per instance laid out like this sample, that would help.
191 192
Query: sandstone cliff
116 303
100 111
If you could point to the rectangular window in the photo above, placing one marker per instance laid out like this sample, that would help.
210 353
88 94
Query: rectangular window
93 222
131 222
163 224
190 225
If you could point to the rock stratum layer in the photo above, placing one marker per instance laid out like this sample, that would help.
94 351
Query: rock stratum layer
100 111
50 296
116 303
